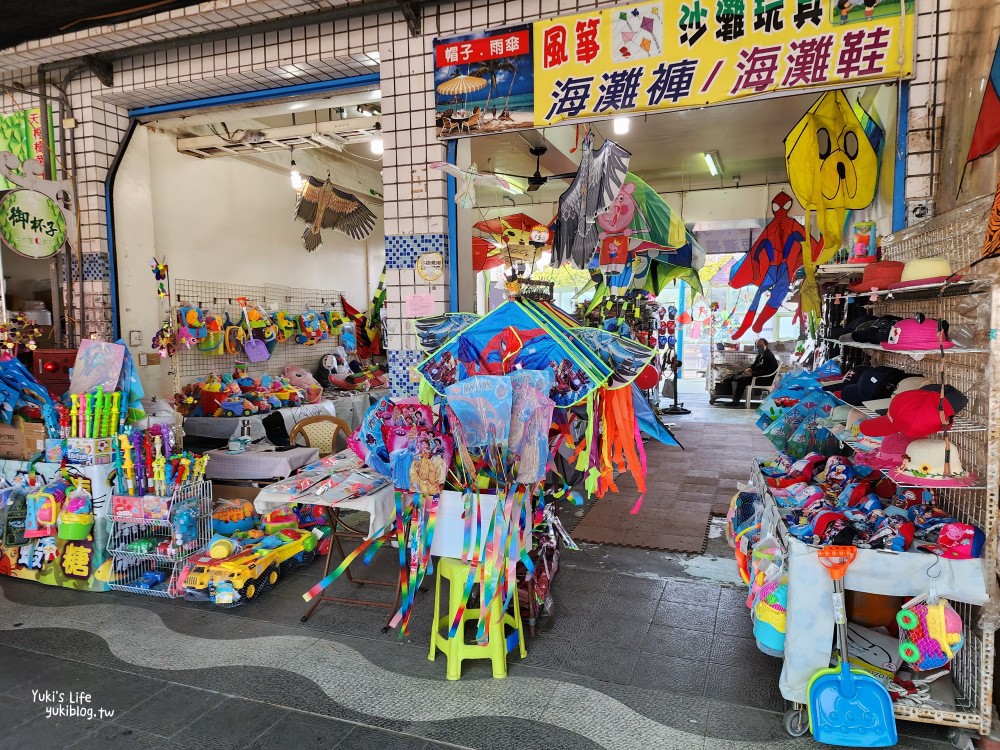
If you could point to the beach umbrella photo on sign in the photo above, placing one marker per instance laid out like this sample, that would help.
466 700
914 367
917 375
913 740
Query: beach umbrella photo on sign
461 84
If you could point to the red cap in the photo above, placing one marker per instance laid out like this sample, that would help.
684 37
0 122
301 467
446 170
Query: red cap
913 413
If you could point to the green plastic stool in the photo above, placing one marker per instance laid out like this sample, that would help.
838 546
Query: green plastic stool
456 649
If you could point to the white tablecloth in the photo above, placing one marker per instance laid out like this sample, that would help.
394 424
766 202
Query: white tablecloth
258 464
223 428
379 505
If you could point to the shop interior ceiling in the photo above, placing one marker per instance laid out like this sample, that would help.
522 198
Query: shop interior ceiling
45 19
667 149
327 136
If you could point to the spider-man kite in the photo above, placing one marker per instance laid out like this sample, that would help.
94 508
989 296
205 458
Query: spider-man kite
771 263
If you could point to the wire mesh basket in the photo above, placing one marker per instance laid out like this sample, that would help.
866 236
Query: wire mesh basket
146 559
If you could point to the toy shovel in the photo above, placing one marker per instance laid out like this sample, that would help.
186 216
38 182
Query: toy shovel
847 706
255 349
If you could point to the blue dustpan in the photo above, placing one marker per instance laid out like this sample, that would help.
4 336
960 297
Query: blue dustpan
848 707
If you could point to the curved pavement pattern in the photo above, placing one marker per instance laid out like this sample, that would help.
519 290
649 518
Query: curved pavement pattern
139 640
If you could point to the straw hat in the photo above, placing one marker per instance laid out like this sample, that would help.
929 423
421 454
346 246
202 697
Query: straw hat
921 271
923 466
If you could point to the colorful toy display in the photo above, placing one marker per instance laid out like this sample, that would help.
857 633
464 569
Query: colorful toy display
145 465
301 378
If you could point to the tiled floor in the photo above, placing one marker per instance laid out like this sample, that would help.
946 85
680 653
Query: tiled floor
647 650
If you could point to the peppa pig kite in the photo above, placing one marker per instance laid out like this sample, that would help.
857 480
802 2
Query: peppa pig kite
643 243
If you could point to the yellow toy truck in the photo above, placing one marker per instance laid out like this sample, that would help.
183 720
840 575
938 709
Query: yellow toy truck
248 570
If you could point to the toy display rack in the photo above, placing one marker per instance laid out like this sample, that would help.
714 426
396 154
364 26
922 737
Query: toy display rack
130 567
958 236
972 707
220 298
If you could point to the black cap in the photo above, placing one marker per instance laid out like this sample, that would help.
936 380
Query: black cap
875 382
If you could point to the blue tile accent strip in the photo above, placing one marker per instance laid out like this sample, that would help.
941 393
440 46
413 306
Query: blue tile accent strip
401 250
400 364
96 267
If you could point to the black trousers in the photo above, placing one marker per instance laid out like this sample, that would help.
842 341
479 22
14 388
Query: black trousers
735 384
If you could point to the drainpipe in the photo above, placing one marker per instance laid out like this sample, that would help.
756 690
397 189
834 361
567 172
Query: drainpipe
48 173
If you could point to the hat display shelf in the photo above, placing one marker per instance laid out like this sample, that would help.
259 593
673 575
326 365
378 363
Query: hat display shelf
974 433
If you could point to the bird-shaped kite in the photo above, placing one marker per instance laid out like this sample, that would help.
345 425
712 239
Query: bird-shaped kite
771 263
467 179
598 181
322 206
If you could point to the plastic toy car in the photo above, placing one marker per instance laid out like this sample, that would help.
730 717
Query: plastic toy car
252 569
235 407
152 579
144 546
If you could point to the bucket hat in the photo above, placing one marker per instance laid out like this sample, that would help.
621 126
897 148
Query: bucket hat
922 271
916 413
913 335
923 465
878 275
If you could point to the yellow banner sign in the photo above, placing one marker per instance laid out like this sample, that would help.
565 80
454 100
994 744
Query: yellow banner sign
691 53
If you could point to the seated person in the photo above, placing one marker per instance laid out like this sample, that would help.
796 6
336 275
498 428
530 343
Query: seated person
765 364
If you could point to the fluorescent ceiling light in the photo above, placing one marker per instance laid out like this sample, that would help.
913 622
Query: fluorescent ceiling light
295 176
714 162
377 145
621 124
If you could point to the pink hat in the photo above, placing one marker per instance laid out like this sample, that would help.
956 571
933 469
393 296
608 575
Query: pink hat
924 466
912 335
889 455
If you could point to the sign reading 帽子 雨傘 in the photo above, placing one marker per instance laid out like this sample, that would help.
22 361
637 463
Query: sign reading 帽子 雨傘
483 82
691 53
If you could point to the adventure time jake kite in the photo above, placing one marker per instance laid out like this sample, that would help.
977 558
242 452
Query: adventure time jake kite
832 168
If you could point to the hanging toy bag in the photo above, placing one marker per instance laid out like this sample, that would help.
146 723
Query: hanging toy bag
235 337
930 632
214 342
77 516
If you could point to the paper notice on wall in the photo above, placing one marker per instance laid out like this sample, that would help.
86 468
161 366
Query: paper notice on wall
420 305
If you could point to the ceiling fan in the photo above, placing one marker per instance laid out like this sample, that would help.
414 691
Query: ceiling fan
537 180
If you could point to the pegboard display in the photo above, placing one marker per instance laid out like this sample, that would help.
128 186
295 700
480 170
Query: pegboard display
190 364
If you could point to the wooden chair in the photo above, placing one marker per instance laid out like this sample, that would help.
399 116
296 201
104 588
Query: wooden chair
320 432
762 384
473 121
